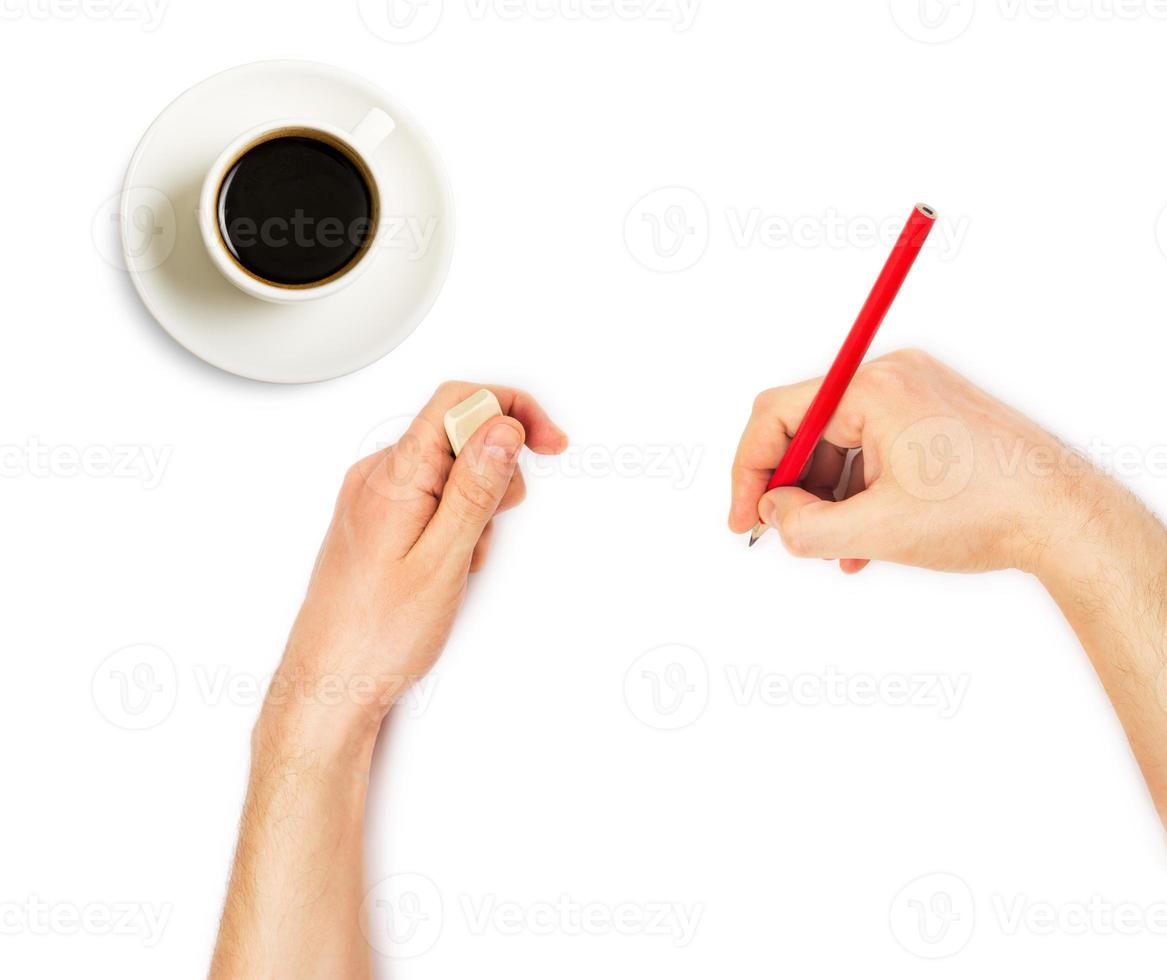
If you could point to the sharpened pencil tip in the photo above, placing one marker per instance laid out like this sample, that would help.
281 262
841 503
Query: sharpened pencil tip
756 533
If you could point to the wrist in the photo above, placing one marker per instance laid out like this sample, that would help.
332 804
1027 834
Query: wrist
1095 529
316 722
319 740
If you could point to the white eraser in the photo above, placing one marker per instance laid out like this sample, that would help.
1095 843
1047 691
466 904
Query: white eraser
465 418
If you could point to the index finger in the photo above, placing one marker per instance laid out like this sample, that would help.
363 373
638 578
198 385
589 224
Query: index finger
776 416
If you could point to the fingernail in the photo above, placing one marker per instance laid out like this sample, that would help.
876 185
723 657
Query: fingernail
766 510
503 441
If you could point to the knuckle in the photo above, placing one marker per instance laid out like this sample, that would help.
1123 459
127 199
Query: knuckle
887 374
474 496
914 356
849 419
410 475
354 479
447 389
911 360
763 401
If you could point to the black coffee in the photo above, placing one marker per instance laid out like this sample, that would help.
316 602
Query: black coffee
295 211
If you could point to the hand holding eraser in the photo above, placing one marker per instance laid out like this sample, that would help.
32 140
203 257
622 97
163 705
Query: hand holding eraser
465 418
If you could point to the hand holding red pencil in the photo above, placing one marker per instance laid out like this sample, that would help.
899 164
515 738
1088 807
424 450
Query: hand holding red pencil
850 356
927 486
946 477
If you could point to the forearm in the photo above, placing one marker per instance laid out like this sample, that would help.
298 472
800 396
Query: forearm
1107 571
293 905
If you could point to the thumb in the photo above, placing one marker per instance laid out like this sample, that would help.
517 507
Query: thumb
475 487
815 528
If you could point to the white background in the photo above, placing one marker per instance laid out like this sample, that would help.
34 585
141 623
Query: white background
534 771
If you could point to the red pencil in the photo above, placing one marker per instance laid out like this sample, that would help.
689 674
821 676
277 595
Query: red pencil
883 293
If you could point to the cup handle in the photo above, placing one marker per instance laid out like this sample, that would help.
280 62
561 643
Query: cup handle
372 131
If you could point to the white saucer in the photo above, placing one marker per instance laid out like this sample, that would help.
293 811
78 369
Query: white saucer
311 341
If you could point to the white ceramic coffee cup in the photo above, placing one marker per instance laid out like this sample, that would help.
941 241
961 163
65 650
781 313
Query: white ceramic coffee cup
359 144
